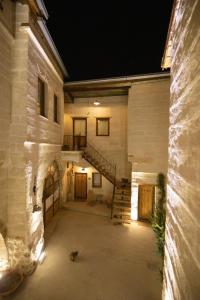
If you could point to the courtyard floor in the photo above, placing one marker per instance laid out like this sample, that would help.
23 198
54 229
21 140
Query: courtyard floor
115 262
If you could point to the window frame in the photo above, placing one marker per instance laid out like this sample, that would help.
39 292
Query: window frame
57 119
93 179
42 106
97 127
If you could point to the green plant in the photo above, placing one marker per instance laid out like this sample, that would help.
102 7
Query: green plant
159 217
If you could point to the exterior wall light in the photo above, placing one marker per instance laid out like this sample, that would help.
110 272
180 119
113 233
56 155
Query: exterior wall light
36 208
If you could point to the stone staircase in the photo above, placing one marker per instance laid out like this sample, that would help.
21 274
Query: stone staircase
100 163
121 208
121 200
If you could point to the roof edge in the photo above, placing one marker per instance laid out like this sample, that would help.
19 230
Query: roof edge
166 59
52 45
42 7
131 78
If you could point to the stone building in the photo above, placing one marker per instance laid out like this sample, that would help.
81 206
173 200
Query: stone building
182 251
129 130
135 109
31 114
125 121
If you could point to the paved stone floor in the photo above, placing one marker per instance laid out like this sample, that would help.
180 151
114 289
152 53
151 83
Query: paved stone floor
115 263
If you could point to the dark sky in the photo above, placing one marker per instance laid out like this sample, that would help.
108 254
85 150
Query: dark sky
98 39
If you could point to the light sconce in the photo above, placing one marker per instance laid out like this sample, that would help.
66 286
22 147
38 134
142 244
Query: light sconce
97 103
36 208
34 186
83 169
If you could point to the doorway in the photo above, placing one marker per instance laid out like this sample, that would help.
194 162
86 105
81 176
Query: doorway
80 188
146 201
79 133
51 193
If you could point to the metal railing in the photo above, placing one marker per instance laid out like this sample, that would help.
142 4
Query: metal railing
73 143
99 160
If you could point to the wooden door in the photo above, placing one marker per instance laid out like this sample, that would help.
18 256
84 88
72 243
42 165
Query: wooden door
80 186
51 193
79 133
146 200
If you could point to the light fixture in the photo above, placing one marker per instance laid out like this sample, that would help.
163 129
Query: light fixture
36 208
96 103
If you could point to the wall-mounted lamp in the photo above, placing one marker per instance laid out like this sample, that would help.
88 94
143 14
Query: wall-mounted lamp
97 103
36 208
34 186
83 169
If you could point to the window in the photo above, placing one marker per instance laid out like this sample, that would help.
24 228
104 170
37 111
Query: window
96 180
41 96
102 126
55 107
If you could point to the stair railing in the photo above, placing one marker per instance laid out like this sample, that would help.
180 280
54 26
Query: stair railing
113 195
98 158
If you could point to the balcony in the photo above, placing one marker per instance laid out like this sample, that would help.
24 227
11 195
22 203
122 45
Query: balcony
72 148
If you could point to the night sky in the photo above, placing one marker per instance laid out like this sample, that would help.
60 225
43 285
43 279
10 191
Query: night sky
97 40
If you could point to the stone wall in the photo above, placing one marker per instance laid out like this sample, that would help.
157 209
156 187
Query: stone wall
30 142
148 114
7 16
114 147
182 252
6 42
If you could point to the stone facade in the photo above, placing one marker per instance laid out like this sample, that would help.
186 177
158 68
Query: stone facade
138 140
30 142
182 251
148 121
114 146
6 42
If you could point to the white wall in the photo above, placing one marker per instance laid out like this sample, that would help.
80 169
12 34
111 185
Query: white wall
114 147
182 251
6 43
107 188
32 142
148 120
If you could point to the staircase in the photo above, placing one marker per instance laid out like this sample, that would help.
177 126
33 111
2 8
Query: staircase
100 163
121 201
121 208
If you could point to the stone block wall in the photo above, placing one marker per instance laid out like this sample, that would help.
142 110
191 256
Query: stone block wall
148 114
6 42
182 251
114 147
30 142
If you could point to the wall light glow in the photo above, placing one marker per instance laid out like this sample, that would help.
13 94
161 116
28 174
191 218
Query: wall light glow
38 250
42 257
134 203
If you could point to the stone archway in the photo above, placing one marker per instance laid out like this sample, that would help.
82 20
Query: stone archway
51 193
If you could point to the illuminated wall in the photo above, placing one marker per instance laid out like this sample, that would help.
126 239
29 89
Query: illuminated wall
114 147
148 114
6 44
107 188
30 142
182 251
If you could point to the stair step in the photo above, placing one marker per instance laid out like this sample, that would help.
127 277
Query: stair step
124 193
121 221
122 203
122 207
123 197
122 214
127 201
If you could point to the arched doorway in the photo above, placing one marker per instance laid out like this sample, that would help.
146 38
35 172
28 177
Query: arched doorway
51 193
